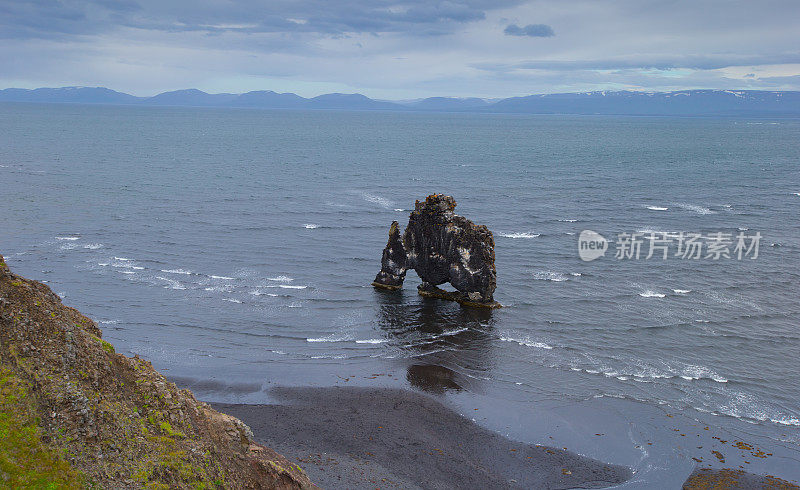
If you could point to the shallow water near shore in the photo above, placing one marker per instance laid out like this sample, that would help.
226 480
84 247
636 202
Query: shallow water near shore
235 248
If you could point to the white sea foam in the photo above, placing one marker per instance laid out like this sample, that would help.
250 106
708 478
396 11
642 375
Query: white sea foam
334 337
657 208
692 372
280 279
127 265
697 209
68 238
171 283
68 246
568 220
738 301
550 276
108 322
231 300
380 201
651 294
519 235
648 231
177 271
310 226
399 210
126 272
648 373
122 259
93 246
527 342
576 274
288 286
681 291
796 193
221 277
453 332
745 406
371 341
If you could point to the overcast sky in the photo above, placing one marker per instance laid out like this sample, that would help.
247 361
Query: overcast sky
401 49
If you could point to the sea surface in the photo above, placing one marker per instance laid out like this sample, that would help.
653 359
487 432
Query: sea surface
235 250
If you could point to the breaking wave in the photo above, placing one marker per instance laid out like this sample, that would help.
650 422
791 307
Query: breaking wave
697 209
550 276
519 235
527 342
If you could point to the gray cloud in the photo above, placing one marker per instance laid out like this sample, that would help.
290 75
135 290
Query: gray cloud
21 19
530 30
399 48
657 62
791 80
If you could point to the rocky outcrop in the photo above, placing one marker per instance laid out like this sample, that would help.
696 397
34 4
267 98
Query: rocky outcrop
74 413
442 247
734 479
393 262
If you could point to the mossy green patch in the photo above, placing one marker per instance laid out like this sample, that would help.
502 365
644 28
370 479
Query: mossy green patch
106 346
25 461
167 429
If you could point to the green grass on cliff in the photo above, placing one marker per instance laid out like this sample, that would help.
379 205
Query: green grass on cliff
25 461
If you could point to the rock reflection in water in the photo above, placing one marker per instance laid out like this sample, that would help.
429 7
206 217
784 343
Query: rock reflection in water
449 346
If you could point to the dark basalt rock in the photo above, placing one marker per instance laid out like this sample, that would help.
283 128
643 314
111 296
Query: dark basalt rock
393 262
441 247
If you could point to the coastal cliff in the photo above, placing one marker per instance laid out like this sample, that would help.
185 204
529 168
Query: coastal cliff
73 413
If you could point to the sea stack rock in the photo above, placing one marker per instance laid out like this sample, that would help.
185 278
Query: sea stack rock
393 262
441 247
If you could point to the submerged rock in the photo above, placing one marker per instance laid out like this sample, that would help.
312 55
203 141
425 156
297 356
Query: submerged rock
441 247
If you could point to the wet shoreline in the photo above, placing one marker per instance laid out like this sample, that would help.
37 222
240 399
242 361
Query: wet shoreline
385 434
366 437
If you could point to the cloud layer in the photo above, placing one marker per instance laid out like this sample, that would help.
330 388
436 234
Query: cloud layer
530 30
57 19
392 49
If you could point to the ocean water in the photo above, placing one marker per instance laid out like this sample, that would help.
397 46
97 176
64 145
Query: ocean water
235 250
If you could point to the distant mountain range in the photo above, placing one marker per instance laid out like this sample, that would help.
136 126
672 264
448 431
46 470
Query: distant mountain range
683 103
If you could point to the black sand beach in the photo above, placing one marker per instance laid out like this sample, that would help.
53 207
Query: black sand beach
388 438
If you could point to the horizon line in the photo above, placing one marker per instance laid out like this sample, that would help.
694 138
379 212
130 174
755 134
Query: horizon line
642 91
